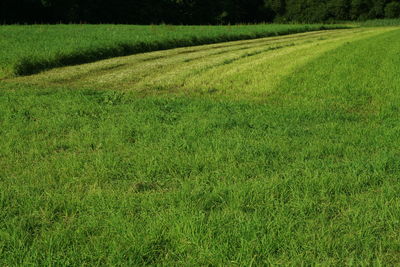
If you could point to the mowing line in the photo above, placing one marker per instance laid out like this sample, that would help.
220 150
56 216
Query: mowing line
251 66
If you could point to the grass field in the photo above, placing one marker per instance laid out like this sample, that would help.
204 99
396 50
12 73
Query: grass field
381 23
30 49
280 150
250 68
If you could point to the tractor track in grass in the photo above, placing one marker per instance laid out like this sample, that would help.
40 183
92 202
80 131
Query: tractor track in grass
250 67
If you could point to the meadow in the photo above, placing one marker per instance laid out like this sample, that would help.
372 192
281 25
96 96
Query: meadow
30 49
380 23
280 150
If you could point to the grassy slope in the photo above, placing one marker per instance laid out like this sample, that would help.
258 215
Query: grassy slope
307 175
30 49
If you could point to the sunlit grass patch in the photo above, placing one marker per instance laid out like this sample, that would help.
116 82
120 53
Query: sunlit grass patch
31 49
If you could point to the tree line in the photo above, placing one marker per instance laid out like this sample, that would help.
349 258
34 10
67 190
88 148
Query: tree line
194 11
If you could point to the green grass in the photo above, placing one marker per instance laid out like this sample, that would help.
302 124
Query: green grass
249 68
380 23
302 169
30 49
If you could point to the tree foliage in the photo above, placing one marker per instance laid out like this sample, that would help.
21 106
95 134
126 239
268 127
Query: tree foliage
392 10
193 11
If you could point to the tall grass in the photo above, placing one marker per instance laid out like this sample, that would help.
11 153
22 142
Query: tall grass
381 22
30 49
307 176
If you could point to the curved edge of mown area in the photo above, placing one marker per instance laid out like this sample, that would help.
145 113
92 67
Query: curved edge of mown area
36 57
240 69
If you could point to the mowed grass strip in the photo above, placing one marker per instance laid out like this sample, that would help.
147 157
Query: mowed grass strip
240 69
30 49
307 176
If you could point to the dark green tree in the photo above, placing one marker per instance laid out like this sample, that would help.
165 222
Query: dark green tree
392 10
